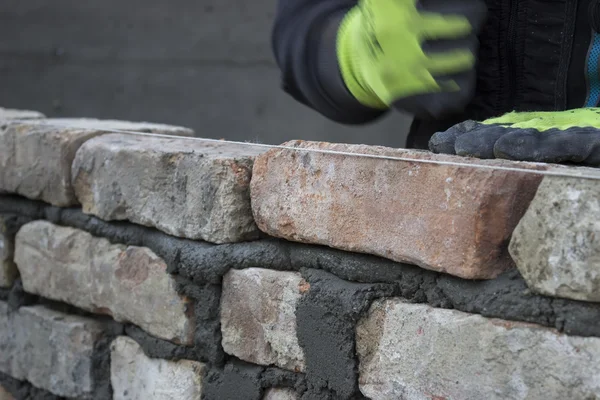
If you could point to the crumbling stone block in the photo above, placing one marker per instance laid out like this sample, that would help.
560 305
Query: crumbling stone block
258 317
197 190
52 350
447 218
135 376
556 245
127 282
36 156
414 351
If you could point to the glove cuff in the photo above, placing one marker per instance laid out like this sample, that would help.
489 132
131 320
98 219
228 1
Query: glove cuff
350 58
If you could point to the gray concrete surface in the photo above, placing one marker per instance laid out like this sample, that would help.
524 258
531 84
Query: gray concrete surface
203 64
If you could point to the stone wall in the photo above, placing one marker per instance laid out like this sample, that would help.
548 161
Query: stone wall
162 267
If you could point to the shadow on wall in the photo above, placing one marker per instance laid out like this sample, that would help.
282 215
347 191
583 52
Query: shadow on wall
202 64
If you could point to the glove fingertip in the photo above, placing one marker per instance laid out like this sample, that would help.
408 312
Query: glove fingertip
443 142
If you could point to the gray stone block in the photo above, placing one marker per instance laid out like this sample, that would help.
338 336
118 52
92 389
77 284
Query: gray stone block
36 156
197 190
556 245
280 394
129 283
135 376
50 349
258 317
413 351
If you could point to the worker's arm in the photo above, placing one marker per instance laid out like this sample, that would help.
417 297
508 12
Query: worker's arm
352 61
304 45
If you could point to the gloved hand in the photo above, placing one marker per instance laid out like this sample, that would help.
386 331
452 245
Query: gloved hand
418 56
551 137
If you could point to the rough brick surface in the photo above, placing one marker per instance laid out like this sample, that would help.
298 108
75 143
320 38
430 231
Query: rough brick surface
556 245
50 349
127 282
258 317
11 114
280 394
36 156
445 218
8 269
135 376
414 351
191 189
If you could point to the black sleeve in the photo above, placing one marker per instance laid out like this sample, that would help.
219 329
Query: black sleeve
304 44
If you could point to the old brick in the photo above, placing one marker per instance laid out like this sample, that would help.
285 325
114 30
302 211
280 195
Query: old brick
186 188
8 269
258 317
280 394
414 351
36 156
127 282
11 114
50 349
135 376
447 218
556 245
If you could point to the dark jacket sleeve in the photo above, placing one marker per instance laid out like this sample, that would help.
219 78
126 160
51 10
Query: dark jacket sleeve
304 45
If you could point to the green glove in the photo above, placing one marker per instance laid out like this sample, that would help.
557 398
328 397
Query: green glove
551 137
417 56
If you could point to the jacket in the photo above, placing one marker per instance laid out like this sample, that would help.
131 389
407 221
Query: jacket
535 55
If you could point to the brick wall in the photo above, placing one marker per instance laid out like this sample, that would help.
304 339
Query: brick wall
139 267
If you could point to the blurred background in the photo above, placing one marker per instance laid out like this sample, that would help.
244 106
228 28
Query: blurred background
204 64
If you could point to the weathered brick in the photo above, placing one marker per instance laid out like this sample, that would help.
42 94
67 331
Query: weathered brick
5 395
414 351
8 269
192 189
258 317
50 349
135 376
280 394
11 114
36 156
448 218
556 245
127 282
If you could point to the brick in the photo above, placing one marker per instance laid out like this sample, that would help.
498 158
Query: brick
8 269
127 282
36 156
556 245
280 394
5 395
258 317
192 189
135 376
446 218
49 349
414 351
11 113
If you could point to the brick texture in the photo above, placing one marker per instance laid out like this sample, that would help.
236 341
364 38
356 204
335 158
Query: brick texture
258 317
414 351
127 282
50 349
445 218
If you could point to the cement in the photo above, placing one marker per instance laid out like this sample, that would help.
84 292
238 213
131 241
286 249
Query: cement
326 318
251 380
505 297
